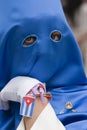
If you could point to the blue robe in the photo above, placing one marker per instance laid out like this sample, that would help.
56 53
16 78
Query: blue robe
57 63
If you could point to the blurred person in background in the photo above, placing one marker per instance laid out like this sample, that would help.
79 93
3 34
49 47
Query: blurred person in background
76 12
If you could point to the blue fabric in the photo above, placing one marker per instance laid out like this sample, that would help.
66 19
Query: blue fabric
58 64
77 95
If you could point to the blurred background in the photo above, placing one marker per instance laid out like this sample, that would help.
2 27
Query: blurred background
76 15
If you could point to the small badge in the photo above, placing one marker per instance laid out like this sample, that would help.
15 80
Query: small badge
69 105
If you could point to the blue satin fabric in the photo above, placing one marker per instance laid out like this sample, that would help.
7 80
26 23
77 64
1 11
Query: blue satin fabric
58 64
77 96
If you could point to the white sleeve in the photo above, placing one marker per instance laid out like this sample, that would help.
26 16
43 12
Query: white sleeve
45 121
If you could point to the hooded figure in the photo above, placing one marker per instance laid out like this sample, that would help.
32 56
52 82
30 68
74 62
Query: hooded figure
36 41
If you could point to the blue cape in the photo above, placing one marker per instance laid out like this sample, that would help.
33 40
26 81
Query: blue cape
57 63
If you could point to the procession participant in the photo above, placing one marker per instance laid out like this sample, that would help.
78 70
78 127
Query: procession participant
36 42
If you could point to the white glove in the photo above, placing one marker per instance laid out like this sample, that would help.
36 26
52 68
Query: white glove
17 88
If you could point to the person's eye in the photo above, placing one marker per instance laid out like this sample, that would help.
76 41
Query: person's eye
56 36
29 40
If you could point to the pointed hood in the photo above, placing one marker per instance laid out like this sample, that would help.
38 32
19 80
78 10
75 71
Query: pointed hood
53 58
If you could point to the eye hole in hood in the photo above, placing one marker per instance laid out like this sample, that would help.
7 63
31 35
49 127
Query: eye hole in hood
29 41
56 36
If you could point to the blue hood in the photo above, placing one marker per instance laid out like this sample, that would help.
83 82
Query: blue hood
57 63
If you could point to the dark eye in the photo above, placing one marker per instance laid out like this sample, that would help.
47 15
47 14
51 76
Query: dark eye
56 36
29 40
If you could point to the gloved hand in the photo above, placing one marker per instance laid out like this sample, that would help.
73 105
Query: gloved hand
17 88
